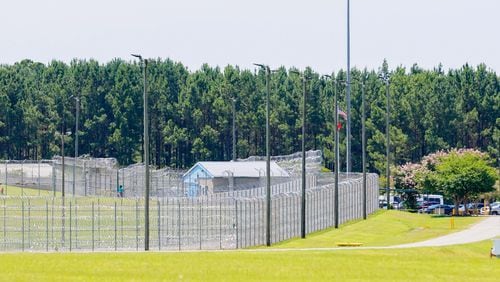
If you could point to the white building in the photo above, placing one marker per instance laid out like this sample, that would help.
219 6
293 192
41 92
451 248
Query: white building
213 177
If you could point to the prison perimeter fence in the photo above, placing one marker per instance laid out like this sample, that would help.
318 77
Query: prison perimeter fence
231 221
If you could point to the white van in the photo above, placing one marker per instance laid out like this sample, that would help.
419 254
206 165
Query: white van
382 200
431 199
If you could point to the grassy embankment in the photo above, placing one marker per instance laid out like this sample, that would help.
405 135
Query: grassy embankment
384 228
454 263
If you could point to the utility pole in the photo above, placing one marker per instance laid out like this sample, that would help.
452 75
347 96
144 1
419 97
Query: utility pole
348 94
337 163
336 149
303 203
234 128
303 198
388 145
267 70
63 220
363 143
386 79
144 63
77 105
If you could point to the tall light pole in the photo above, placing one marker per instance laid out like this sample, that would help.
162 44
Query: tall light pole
63 219
303 200
234 128
233 100
336 149
348 94
268 157
363 140
144 63
363 143
386 79
62 157
77 105
63 135
63 190
337 162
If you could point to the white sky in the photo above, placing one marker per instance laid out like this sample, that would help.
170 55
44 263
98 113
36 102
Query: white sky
275 32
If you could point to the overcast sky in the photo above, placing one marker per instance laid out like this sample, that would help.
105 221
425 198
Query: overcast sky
275 32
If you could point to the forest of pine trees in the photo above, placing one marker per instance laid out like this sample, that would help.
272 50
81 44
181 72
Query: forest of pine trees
191 111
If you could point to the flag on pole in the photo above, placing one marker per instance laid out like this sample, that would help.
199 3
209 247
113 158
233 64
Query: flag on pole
342 113
344 116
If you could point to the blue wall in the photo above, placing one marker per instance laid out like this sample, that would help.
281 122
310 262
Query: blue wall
191 180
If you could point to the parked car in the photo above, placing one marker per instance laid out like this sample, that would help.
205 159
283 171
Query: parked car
495 209
422 205
446 208
399 205
471 208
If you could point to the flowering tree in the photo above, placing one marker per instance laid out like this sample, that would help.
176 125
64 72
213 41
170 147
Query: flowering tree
458 174
406 180
463 174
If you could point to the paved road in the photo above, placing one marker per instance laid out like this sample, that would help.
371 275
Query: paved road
486 229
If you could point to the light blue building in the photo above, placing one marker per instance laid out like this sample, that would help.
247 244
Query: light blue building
206 178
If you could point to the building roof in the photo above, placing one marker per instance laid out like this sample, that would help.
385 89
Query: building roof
240 169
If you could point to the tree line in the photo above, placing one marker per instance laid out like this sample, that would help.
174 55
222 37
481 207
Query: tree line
191 111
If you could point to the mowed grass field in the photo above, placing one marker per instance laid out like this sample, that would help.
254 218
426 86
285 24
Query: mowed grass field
469 262
384 228
19 191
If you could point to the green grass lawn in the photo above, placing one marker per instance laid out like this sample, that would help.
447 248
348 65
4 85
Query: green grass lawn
469 262
18 191
382 229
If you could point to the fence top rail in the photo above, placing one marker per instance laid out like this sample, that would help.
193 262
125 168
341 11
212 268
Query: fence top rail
43 161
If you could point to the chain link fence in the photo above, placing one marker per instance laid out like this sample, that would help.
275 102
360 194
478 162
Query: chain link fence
86 176
93 216
178 223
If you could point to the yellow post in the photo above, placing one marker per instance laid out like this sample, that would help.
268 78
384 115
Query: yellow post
452 222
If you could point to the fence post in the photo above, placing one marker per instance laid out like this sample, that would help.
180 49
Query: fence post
117 180
6 178
22 221
248 224
220 224
137 225
4 225
237 225
85 179
52 221
54 180
46 225
121 219
115 228
200 203
29 224
98 223
254 213
39 187
93 226
179 221
76 223
22 178
70 224
159 225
